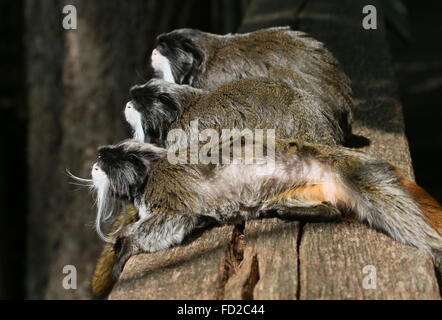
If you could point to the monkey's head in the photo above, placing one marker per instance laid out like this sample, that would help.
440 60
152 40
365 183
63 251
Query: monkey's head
120 174
153 108
179 55
124 168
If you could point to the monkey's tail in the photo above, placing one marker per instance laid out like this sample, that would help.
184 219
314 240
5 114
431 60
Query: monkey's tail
102 280
388 201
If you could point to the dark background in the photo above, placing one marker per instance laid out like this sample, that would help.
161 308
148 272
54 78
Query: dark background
61 92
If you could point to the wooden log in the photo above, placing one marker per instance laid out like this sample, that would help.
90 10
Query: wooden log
332 256
277 260
336 262
269 269
196 270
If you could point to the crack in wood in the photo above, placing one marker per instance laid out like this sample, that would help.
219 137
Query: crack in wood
298 254
252 280
234 256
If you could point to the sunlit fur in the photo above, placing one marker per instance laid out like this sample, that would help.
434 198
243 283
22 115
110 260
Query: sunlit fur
207 61
253 103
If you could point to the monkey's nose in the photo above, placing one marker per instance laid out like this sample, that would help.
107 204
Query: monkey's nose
155 52
129 105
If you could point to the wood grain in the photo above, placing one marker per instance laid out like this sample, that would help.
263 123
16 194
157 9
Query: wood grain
332 255
196 270
269 269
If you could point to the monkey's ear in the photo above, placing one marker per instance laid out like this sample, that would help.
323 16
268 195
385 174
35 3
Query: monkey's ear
197 53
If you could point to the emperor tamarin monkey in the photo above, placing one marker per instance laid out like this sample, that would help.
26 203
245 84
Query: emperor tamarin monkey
205 60
300 181
254 103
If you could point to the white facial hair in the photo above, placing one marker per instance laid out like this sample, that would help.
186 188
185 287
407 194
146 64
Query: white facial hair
105 203
133 117
161 64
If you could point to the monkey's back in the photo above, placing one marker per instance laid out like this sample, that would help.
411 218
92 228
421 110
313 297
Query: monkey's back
262 103
264 52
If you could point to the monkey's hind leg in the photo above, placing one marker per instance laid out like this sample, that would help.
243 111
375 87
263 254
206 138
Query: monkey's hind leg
322 212
156 233
303 204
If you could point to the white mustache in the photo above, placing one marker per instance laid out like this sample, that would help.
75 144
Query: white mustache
105 201
133 117
162 64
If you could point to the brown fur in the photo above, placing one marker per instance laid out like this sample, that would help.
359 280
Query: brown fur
431 209
102 281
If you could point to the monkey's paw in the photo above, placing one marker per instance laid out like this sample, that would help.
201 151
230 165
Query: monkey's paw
124 247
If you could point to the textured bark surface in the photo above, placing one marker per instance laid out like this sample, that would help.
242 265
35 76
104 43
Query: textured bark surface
45 104
276 260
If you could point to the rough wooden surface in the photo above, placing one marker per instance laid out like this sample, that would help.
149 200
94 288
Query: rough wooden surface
193 271
272 259
332 256
269 269
332 261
